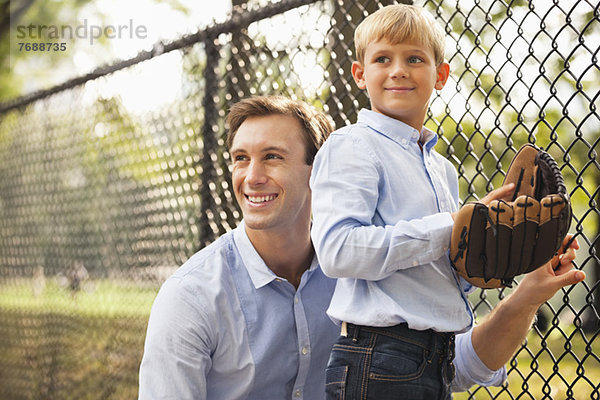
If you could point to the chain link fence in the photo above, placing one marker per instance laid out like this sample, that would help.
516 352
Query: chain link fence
110 181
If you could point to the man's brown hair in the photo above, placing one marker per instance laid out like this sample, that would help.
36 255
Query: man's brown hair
316 125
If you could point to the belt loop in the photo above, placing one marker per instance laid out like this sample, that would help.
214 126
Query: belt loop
344 332
355 333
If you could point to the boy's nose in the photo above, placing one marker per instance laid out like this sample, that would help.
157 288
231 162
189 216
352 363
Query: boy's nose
399 71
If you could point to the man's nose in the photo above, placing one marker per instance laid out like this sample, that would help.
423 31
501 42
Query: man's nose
256 173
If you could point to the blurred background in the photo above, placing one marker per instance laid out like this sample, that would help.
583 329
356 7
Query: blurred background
113 169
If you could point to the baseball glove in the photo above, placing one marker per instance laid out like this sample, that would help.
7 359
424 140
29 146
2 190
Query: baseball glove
490 245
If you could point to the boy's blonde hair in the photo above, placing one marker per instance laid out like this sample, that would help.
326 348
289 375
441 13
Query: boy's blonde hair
400 23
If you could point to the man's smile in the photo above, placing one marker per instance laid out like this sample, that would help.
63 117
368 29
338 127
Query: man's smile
260 198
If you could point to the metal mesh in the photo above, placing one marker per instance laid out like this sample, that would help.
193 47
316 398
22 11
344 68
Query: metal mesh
109 182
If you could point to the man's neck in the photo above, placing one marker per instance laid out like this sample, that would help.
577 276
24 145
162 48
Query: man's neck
288 254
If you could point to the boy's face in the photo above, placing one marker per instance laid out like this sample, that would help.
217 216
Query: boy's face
400 79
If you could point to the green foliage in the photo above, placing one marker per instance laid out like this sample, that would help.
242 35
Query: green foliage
37 12
503 111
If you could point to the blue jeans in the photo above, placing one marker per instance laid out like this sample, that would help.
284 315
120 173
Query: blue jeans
390 363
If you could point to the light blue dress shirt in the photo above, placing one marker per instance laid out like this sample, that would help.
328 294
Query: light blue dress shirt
224 327
382 225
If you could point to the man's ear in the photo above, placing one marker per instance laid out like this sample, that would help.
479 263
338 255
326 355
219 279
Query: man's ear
358 73
443 72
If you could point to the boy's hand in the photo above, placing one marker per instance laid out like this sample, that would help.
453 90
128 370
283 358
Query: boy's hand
502 193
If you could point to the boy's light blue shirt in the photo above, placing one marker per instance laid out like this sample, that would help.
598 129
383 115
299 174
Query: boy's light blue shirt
225 327
382 225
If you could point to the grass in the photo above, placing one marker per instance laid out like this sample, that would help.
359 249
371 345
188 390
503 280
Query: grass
100 298
88 345
61 345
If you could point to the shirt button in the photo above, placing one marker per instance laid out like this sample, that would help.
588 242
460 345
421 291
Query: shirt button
304 351
296 300
404 141
415 263
298 393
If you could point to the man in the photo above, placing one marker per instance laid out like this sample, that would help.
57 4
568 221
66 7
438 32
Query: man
244 318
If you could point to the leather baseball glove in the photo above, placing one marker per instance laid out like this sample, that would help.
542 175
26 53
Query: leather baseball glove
490 245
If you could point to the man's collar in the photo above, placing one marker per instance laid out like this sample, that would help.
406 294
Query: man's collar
260 274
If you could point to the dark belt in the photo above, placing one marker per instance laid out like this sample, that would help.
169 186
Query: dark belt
403 332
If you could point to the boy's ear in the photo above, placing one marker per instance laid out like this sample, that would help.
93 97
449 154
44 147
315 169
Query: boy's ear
443 72
358 73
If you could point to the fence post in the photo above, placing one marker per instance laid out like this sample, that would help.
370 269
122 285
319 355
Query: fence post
209 148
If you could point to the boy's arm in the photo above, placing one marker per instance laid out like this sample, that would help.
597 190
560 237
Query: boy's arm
345 194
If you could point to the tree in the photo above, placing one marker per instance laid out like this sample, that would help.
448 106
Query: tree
12 14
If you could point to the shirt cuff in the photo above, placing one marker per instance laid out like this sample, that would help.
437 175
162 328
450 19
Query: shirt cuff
470 370
440 225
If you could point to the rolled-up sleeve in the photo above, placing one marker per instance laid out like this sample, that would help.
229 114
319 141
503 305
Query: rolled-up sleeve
470 370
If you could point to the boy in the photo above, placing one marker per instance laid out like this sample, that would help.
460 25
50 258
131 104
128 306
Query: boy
382 217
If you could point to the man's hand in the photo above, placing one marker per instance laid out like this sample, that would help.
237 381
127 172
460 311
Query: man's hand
501 333
541 284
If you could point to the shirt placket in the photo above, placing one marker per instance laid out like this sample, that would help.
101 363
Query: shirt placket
445 204
441 194
304 348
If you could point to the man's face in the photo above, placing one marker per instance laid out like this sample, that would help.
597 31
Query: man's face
400 79
270 175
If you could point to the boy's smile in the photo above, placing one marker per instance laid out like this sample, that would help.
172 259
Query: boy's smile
400 79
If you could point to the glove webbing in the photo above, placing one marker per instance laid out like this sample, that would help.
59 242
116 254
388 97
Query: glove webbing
552 178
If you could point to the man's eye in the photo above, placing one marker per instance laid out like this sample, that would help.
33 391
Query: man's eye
240 158
272 157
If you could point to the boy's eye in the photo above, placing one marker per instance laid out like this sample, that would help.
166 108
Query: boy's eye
382 59
415 60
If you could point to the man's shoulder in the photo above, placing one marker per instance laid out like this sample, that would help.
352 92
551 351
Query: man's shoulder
212 260
197 287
